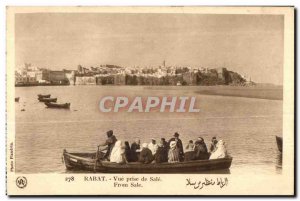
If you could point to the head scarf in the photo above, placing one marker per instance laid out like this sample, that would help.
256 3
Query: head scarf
221 143
126 145
172 144
144 145
200 139
160 144
220 152
116 153
118 144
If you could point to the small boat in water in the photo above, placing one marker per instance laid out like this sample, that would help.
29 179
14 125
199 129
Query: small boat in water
56 105
279 143
87 162
47 100
17 99
44 96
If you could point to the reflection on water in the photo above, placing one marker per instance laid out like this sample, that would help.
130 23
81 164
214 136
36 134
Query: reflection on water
279 162
247 125
224 171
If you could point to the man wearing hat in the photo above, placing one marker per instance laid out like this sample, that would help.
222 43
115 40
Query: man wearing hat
110 142
178 145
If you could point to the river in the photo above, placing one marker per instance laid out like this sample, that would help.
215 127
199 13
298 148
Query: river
247 125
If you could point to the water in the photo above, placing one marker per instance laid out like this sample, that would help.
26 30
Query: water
248 125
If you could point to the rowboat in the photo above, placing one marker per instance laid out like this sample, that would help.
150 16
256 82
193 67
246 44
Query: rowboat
87 162
47 100
44 96
279 143
56 105
17 99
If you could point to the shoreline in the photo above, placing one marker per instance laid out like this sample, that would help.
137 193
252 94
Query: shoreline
272 96
260 91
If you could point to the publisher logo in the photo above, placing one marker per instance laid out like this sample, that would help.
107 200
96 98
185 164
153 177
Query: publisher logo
21 182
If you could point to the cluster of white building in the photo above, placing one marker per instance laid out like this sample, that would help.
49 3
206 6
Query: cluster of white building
111 74
32 75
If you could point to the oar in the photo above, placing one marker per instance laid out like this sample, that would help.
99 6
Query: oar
95 166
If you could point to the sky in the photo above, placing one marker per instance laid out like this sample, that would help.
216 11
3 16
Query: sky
251 45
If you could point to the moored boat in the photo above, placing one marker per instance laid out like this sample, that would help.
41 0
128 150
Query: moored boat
87 162
47 100
56 105
279 143
44 96
17 99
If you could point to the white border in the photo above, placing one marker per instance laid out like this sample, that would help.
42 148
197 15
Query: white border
4 3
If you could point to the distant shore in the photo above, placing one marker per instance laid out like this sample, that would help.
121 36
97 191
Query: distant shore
260 91
253 92
39 84
270 92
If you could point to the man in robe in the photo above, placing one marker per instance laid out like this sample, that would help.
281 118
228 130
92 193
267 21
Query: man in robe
161 155
220 152
109 144
135 147
213 145
153 146
146 154
173 154
200 150
178 145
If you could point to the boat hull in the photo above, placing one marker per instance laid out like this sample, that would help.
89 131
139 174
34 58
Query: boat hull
44 96
279 143
86 162
59 106
47 100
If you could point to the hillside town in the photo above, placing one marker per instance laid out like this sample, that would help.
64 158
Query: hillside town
29 75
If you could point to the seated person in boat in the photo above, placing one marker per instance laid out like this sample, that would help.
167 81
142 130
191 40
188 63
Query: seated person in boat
189 153
135 146
153 146
173 154
220 152
200 149
118 153
178 145
165 143
213 145
190 146
127 151
109 143
146 154
161 155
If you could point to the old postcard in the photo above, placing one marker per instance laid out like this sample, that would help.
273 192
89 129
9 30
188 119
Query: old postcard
150 101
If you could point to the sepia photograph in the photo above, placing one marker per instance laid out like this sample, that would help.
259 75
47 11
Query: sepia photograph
141 97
